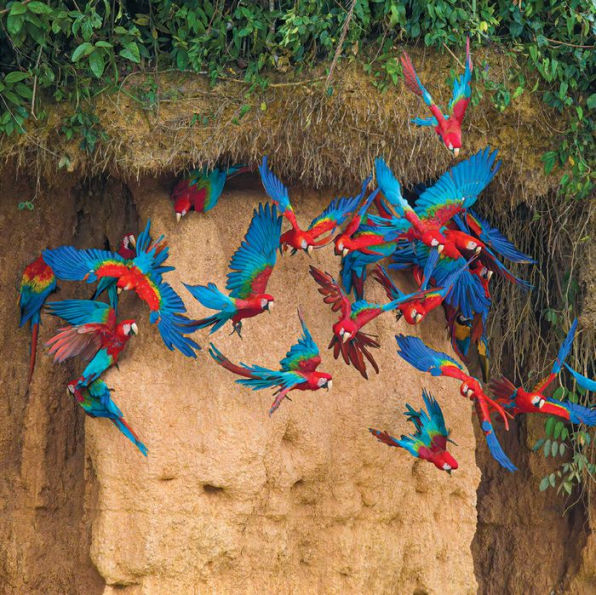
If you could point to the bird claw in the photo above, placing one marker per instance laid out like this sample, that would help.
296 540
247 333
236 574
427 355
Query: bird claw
237 329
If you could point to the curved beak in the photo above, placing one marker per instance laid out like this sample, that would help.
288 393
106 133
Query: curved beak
134 328
419 317
270 306
345 252
455 152
119 290
469 393
489 275
478 249
178 217
329 385
132 240
346 337
440 248
449 471
309 250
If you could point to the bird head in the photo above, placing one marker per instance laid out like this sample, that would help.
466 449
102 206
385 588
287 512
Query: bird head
266 302
345 329
414 312
537 400
445 462
127 248
182 205
434 239
127 328
452 141
342 245
323 380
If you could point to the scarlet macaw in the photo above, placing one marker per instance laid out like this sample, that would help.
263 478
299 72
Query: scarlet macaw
517 400
37 284
143 274
429 441
422 357
251 267
298 370
97 402
448 127
93 334
201 189
348 337
455 191
326 223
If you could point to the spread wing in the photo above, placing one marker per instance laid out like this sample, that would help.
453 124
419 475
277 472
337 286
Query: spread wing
303 356
253 262
462 91
355 350
425 359
332 292
434 422
458 188
77 312
71 264
391 189
583 381
151 254
37 283
277 192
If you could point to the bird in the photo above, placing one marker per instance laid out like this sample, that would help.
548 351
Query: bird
201 189
93 334
298 370
425 359
429 441
448 126
143 274
250 269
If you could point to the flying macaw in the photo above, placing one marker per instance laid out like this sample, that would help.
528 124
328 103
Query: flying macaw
201 189
454 192
517 400
37 284
126 249
448 126
94 335
97 402
348 337
143 274
414 311
429 441
425 359
298 370
251 267
326 223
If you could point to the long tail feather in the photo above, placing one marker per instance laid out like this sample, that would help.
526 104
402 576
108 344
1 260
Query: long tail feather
33 351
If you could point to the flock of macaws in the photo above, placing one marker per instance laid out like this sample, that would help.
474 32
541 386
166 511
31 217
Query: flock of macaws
451 252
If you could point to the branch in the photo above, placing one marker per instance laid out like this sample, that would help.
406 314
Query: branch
340 43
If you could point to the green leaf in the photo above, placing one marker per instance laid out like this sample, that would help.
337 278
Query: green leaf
14 24
81 51
548 427
591 103
15 77
17 8
543 484
103 44
39 8
96 63
554 448
131 52
538 444
557 430
551 479
546 449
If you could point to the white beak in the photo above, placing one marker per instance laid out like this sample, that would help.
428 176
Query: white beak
310 249
455 152
346 337
133 241
270 306
440 248
469 393
134 328
478 249
330 385
70 390
345 252
419 317
489 275
178 217
119 290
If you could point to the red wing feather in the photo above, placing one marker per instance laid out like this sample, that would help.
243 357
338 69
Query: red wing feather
259 284
332 292
74 340
410 74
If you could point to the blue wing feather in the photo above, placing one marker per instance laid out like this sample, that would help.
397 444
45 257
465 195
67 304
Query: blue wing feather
422 357
300 353
274 187
583 381
78 312
564 349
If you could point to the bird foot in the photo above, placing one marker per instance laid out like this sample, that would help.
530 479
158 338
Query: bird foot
237 329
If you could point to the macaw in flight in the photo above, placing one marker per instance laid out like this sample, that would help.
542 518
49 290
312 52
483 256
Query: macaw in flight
93 333
298 370
143 274
454 192
326 223
37 284
201 189
97 402
517 400
448 126
251 266
429 441
348 337
425 359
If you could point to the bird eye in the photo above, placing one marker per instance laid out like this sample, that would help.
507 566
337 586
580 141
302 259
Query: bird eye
434 242
538 402
471 245
446 467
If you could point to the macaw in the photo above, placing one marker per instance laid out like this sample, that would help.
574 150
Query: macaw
425 359
326 223
126 249
414 311
429 441
448 126
517 400
348 337
251 267
97 402
143 274
201 189
94 334
455 191
37 284
298 370
585 382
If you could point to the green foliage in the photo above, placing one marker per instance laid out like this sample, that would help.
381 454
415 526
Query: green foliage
55 49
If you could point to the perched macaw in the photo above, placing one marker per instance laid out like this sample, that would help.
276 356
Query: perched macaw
126 249
96 401
414 311
200 190
429 441
298 370
326 223
517 400
348 337
94 335
454 192
448 126
251 267
37 284
422 357
143 274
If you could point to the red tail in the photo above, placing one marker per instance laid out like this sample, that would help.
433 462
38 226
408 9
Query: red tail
410 74
32 357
